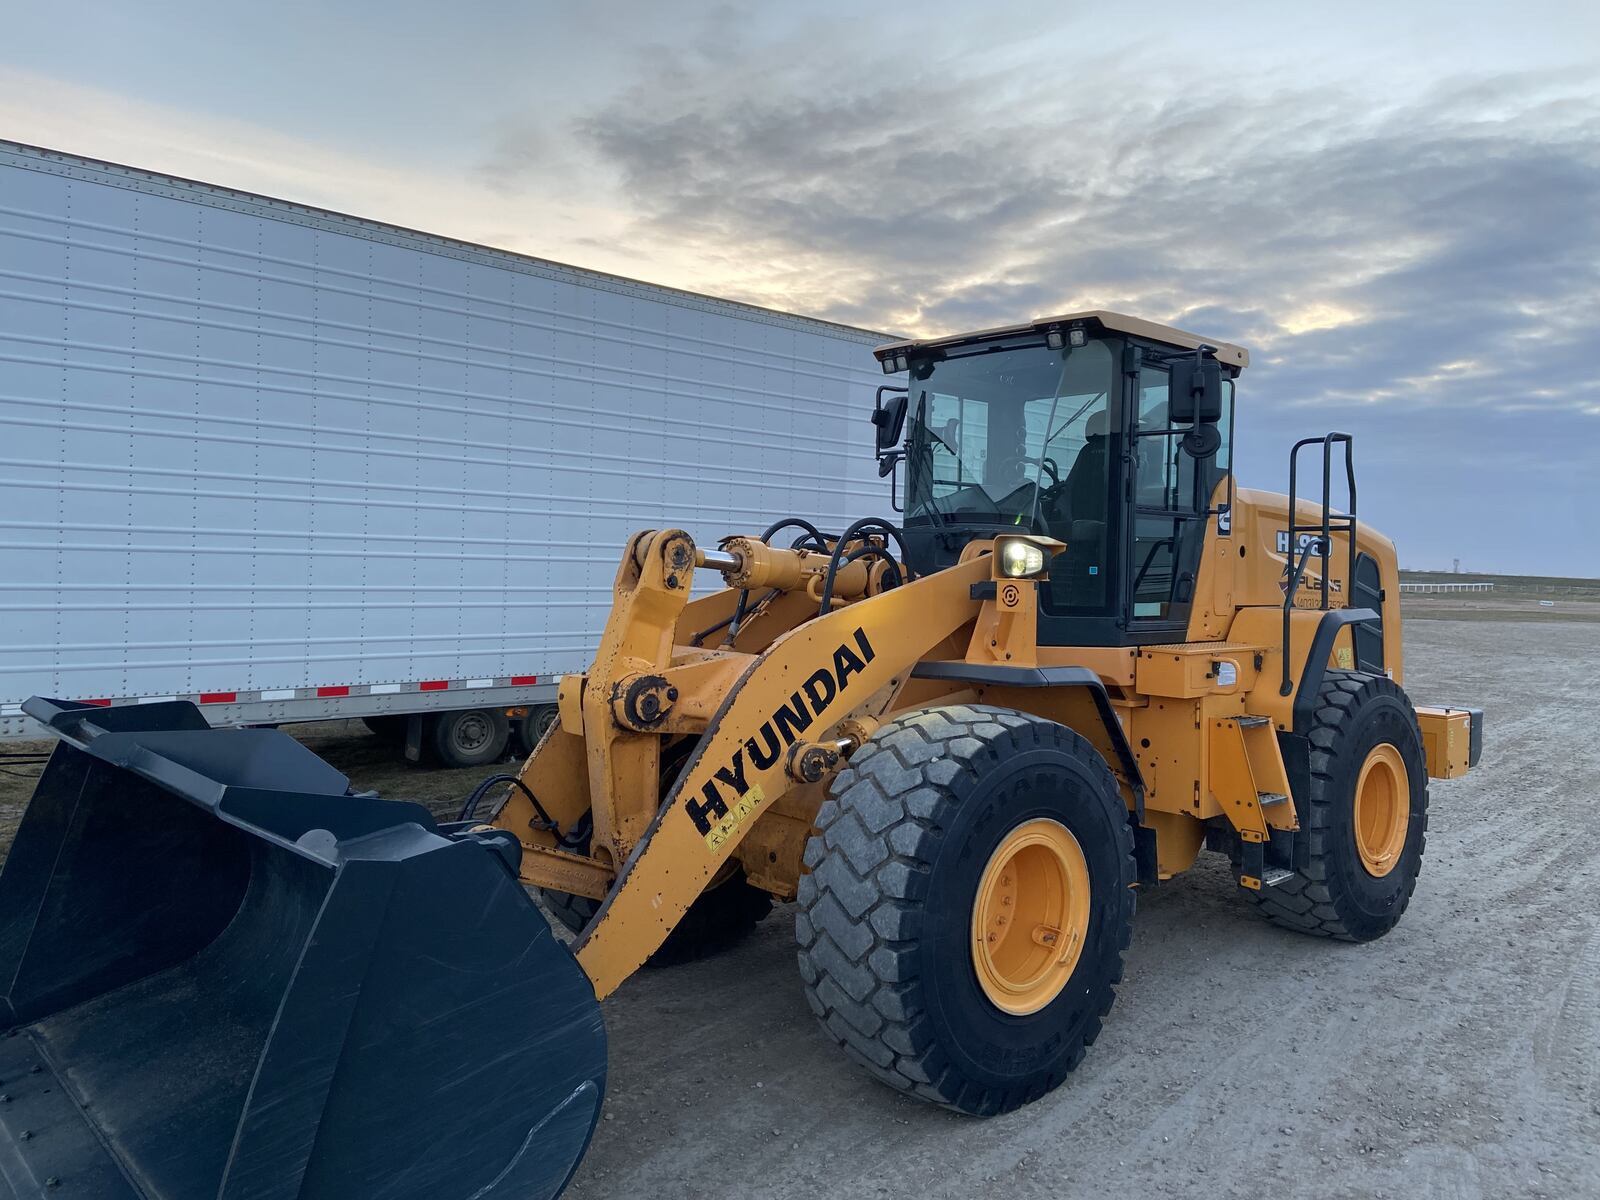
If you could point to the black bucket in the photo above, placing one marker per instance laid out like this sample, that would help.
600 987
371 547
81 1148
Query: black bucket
222 977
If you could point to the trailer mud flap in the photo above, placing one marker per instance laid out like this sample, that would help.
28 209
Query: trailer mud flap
224 978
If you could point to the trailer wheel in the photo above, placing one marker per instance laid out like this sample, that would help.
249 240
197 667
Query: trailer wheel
528 732
471 737
969 900
389 728
1364 820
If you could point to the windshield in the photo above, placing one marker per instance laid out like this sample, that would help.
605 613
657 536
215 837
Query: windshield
1012 437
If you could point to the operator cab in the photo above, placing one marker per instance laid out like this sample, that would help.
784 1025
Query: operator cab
1071 427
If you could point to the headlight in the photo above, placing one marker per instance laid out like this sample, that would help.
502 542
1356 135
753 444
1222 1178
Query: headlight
1020 559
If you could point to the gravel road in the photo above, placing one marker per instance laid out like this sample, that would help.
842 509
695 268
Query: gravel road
1459 1057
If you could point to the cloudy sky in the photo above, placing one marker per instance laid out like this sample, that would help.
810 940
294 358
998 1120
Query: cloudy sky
1396 206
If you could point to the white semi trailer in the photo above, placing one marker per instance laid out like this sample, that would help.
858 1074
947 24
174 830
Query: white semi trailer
293 465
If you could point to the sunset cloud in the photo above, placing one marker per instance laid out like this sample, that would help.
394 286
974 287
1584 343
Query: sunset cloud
1405 229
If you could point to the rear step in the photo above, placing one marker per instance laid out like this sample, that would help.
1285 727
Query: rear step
1268 799
1273 876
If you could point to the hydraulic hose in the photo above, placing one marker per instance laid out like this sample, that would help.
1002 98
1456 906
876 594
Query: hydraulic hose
470 805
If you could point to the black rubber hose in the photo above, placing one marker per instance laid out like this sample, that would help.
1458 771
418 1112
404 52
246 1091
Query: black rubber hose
863 552
888 528
865 525
699 638
811 531
470 805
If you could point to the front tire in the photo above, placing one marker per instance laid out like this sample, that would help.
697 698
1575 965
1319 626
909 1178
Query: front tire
1364 820
721 917
939 819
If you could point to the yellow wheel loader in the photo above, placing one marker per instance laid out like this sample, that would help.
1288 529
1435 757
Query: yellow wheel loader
959 742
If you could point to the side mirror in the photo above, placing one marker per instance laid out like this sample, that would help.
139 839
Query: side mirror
1194 395
890 418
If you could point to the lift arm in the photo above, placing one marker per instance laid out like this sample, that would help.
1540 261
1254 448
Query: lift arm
785 707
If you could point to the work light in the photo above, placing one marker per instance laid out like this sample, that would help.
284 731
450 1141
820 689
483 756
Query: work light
1019 559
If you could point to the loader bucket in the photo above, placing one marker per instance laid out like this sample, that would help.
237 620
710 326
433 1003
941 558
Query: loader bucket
222 977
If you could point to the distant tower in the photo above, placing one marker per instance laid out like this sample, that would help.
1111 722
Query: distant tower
1458 566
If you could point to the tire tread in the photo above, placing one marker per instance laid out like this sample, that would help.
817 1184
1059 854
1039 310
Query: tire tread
1307 902
860 916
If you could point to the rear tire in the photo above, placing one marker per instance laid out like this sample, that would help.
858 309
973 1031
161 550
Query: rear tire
892 913
1356 860
472 737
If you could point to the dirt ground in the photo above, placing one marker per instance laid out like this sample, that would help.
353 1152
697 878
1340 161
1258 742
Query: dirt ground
1493 607
1459 1057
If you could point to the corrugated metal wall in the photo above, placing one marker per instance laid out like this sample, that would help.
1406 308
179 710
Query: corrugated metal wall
249 445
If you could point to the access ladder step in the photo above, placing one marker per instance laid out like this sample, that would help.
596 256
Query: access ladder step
1273 876
1268 799
1254 722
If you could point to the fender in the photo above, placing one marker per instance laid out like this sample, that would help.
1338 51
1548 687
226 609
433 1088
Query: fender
1001 675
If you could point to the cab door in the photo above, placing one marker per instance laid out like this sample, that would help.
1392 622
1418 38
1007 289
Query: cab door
1168 492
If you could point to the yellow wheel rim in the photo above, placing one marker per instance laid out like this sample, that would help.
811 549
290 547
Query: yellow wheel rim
1030 916
1383 810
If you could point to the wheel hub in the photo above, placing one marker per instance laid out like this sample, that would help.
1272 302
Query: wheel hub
471 733
1030 916
1382 810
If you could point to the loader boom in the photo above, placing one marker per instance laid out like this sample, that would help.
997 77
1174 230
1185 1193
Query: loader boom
778 719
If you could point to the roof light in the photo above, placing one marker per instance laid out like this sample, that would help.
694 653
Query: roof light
1053 339
887 362
1078 337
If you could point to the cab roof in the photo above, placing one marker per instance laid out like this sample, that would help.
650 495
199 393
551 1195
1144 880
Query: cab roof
1094 320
